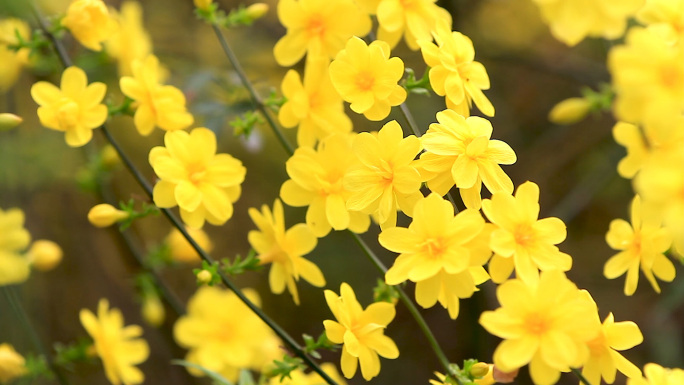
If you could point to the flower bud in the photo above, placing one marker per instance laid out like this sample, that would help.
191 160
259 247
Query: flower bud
256 10
182 250
12 364
203 4
480 369
110 157
9 121
44 255
104 215
153 311
204 277
569 111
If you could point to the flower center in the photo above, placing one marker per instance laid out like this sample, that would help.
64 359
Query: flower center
365 80
196 173
671 77
536 324
67 115
316 26
434 247
523 235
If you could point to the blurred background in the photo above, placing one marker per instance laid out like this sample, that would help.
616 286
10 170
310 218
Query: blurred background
529 71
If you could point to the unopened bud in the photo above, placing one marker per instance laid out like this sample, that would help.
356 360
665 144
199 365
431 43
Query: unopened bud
110 157
44 255
204 277
9 121
104 215
480 369
203 4
12 364
256 10
569 111
153 311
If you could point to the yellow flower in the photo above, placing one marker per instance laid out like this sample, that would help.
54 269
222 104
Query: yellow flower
12 62
317 28
629 136
361 331
454 73
367 77
12 364
546 324
569 111
314 106
76 108
104 215
573 20
14 268
192 176
459 151
665 18
641 245
153 310
604 360
657 375
203 4
223 334
414 19
521 240
157 104
131 41
316 181
44 255
647 78
435 253
119 347
298 377
182 250
89 22
284 249
385 178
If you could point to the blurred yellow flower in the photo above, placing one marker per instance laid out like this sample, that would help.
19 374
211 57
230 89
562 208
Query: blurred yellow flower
657 375
12 62
647 78
642 246
119 346
89 22
453 71
224 335
314 106
152 310
316 178
131 41
367 77
569 111
203 4
44 255
104 215
434 253
460 151
546 324
573 20
12 364
317 28
14 267
521 239
385 179
182 250
284 250
604 360
157 104
76 108
665 18
362 331
202 183
414 19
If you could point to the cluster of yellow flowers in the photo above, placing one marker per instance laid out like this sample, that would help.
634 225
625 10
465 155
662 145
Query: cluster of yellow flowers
347 178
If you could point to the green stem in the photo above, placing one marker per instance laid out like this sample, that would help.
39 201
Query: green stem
407 302
258 101
579 375
24 320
